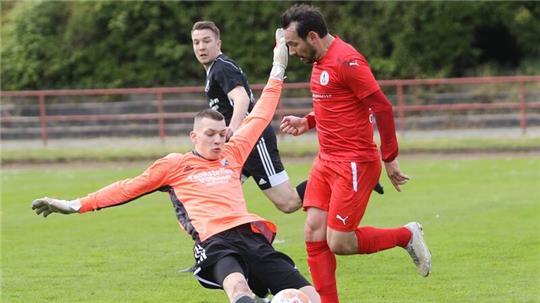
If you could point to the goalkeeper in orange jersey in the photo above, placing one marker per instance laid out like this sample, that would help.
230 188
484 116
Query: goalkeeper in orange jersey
233 248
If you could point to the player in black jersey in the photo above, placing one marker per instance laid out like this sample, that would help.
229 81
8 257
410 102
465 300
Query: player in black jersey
229 93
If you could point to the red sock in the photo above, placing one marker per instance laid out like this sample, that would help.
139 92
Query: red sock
322 266
371 239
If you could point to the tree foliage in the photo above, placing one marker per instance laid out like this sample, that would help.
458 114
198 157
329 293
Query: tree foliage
90 44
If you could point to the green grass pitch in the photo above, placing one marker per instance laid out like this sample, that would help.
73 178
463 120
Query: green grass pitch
481 218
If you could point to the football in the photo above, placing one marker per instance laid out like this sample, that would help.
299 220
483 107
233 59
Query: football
290 295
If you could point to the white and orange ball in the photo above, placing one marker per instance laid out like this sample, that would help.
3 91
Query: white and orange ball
290 295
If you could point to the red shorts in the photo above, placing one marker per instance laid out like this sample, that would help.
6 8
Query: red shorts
342 189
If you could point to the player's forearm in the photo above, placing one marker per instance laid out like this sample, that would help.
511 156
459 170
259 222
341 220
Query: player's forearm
246 136
387 133
128 190
253 126
382 110
265 108
112 195
239 113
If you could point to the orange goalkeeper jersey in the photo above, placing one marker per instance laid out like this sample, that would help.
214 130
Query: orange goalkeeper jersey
207 195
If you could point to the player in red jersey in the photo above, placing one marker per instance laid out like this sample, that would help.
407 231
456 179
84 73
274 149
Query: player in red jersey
346 97
232 246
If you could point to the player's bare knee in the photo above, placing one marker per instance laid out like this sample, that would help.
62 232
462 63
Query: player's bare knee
289 209
235 285
239 291
311 293
312 226
315 224
338 247
288 204
334 245
291 206
283 207
309 231
314 230
341 245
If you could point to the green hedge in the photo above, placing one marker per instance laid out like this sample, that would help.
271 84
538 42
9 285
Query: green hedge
95 44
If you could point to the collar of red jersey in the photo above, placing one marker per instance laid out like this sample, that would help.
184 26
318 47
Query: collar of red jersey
336 38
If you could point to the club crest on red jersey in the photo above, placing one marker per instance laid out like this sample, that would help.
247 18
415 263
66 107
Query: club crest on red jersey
325 78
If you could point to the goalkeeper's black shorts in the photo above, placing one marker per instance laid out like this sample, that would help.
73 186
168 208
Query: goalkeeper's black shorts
266 269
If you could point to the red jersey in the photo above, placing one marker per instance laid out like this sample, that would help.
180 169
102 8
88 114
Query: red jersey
206 194
341 82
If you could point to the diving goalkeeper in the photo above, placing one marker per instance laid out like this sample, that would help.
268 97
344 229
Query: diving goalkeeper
232 248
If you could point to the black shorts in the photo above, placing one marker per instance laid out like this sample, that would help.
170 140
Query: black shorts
266 269
264 163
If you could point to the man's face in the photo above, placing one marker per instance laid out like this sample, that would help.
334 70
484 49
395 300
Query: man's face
206 46
208 135
299 47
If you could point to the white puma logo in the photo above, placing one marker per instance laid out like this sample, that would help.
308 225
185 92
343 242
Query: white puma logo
344 220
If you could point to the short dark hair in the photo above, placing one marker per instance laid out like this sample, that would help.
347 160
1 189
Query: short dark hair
199 25
210 114
307 17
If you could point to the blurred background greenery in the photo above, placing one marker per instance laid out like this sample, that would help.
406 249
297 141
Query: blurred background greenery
99 44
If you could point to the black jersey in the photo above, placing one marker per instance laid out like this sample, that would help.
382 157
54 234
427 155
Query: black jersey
264 163
222 77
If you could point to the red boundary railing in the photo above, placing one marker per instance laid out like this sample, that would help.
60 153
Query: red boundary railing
401 108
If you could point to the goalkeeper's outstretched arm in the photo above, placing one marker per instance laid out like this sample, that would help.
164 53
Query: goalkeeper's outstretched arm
247 135
117 193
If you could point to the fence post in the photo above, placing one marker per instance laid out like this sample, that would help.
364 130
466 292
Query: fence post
43 120
523 107
401 108
161 120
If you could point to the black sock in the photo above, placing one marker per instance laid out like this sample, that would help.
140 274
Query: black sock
244 299
301 190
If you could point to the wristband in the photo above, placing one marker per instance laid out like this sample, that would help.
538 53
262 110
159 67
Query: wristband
310 120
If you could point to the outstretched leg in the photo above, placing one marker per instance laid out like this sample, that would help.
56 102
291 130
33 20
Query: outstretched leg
230 276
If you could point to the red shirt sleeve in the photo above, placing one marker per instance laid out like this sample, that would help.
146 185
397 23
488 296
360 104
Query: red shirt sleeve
384 115
356 74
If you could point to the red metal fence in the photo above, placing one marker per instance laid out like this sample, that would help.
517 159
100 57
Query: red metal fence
405 101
